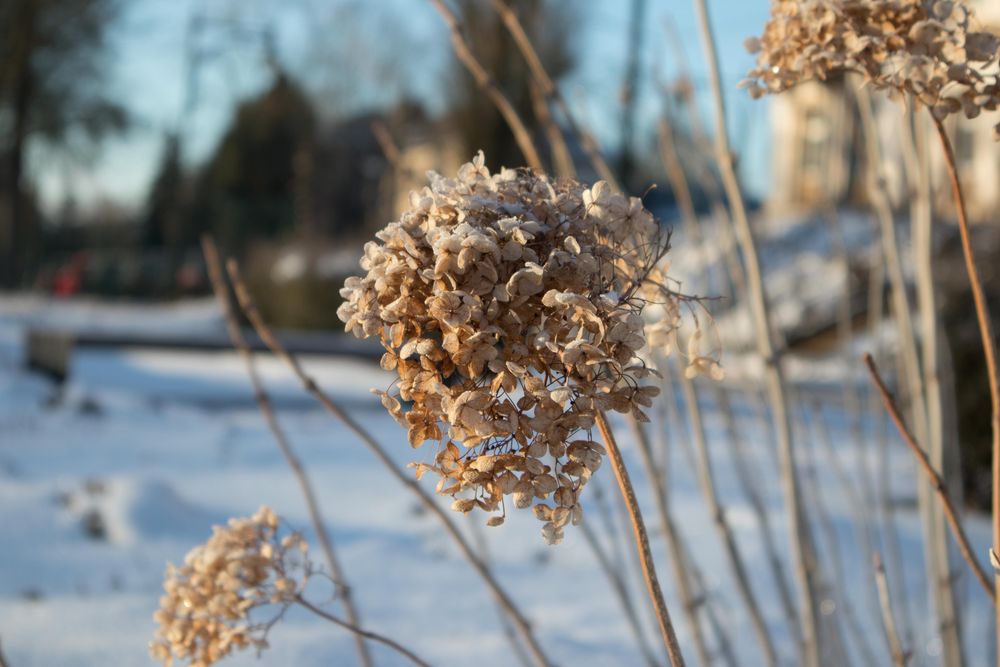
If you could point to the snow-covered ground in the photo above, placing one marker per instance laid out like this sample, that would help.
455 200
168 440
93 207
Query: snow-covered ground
129 466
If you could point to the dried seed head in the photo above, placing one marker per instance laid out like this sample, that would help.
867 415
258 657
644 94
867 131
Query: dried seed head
510 306
205 613
926 49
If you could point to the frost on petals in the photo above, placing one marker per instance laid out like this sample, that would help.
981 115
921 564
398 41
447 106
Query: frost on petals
510 306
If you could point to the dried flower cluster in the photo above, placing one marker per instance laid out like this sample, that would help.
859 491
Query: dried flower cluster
927 49
205 613
510 306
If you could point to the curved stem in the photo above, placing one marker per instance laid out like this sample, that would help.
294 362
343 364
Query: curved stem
939 486
989 341
367 634
642 543
214 266
309 384
706 480
798 529
486 82
689 604
551 92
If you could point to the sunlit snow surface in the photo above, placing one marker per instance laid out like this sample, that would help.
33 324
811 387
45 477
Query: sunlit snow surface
161 446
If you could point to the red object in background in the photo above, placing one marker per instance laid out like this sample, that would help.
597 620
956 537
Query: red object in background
189 277
68 279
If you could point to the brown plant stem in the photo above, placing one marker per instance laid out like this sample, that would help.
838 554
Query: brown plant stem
618 585
641 542
551 92
716 510
989 345
562 159
489 87
798 529
936 482
689 603
221 291
367 634
888 623
502 597
940 588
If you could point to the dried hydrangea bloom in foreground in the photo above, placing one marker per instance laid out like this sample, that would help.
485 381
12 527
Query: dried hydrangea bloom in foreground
205 612
925 48
510 306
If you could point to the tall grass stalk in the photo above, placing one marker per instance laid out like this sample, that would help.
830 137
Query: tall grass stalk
642 543
936 481
620 588
797 524
989 349
938 574
932 352
489 86
689 603
551 92
899 656
222 296
706 481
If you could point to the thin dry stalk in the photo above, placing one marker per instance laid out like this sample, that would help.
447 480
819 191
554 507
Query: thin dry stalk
989 346
367 634
221 291
508 630
797 524
706 480
932 350
751 490
688 600
562 161
681 189
486 83
3 660
274 345
856 500
620 589
725 646
880 430
551 91
642 543
677 177
935 479
840 582
888 623
385 142
938 575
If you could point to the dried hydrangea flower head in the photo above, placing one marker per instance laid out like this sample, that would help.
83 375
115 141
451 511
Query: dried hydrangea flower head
927 49
205 611
510 306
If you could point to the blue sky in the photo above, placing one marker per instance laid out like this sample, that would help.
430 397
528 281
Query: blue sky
407 52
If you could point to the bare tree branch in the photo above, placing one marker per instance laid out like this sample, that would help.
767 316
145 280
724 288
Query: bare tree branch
939 486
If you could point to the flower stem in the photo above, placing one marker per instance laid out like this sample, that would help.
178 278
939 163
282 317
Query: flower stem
367 634
642 543
989 343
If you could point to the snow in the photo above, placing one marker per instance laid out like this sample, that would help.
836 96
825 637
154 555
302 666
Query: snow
129 465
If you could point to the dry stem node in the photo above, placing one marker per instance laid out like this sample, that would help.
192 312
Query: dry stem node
510 306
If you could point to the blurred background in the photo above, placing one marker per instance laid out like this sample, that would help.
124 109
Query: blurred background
292 130
131 128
